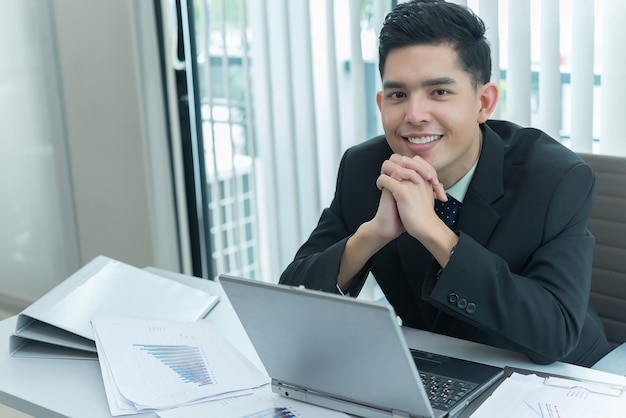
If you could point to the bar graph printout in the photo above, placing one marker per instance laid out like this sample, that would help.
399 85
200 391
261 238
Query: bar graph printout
154 364
532 396
260 404
188 362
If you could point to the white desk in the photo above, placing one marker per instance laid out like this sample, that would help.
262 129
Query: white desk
74 388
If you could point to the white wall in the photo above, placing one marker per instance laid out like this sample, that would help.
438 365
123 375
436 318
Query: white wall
38 243
83 148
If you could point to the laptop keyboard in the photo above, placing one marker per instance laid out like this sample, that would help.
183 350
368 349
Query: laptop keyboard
444 392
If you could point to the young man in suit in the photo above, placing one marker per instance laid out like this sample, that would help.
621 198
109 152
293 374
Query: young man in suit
514 271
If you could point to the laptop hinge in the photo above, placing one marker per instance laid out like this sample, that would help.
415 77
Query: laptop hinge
399 414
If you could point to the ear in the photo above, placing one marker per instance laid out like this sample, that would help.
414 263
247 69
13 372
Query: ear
379 99
488 96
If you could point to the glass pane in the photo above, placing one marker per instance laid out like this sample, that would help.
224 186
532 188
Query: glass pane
222 62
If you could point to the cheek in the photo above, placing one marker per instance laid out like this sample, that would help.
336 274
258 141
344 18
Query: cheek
386 121
390 117
458 118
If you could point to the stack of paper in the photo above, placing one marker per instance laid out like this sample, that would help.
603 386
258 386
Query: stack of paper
58 324
154 365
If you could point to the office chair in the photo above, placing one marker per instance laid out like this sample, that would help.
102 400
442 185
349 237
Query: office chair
608 286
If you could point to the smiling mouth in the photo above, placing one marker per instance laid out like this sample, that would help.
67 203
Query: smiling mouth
423 139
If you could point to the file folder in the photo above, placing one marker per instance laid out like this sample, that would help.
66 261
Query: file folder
592 391
58 325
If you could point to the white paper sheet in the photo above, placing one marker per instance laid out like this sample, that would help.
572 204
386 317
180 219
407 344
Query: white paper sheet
261 404
532 396
154 364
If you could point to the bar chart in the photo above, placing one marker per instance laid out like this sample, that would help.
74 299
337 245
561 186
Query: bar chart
188 362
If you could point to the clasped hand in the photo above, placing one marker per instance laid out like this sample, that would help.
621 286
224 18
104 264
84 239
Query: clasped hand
409 186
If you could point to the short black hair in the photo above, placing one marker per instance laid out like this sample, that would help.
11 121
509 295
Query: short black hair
437 22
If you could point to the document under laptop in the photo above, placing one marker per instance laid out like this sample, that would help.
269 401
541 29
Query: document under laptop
348 354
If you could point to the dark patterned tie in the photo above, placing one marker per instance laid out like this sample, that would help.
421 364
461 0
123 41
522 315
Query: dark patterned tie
448 211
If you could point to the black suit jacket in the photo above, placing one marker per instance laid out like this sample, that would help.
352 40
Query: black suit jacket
520 275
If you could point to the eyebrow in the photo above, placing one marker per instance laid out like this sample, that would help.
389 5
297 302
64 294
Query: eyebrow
440 81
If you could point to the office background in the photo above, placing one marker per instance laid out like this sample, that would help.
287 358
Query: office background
212 148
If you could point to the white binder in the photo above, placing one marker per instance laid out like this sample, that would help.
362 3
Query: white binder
58 324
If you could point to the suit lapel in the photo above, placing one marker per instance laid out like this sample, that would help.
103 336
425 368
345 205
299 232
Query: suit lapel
478 218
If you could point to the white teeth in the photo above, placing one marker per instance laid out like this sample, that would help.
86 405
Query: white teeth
424 139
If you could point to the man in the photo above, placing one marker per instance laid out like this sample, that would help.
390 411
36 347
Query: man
515 269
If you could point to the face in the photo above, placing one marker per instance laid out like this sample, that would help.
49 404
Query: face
430 108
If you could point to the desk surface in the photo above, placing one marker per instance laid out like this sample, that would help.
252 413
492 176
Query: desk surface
59 388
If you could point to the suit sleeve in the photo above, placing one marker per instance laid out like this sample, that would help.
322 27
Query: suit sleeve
541 309
316 264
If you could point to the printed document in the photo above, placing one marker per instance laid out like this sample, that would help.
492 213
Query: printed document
155 364
532 396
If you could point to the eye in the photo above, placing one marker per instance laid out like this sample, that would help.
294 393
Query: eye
440 92
397 95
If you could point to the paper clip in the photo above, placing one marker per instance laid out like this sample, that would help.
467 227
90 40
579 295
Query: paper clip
592 387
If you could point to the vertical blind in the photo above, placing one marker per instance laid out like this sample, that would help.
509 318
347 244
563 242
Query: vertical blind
612 64
582 74
313 74
550 69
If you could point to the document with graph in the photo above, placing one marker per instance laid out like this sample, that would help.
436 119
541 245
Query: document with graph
532 396
151 365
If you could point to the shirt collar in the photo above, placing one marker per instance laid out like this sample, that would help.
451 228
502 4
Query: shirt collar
459 188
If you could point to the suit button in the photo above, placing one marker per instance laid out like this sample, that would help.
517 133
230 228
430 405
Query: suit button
453 298
471 308
462 303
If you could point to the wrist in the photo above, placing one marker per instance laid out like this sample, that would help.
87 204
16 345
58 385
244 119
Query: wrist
442 245
373 236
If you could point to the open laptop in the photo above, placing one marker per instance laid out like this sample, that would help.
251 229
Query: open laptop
349 355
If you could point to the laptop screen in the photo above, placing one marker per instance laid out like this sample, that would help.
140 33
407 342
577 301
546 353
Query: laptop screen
330 346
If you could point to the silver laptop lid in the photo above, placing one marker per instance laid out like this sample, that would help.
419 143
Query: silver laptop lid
331 345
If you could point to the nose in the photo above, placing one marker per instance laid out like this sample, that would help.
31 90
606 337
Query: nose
417 109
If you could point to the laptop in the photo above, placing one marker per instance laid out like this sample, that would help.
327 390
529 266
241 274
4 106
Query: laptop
349 355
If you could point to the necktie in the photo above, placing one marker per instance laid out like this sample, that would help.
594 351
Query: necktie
448 211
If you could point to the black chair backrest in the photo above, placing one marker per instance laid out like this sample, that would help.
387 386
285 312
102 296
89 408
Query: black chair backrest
608 224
